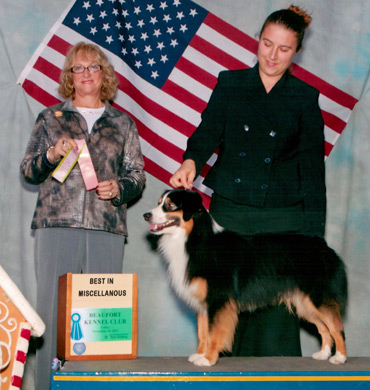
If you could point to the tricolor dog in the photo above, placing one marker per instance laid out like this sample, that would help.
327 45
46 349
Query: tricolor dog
219 274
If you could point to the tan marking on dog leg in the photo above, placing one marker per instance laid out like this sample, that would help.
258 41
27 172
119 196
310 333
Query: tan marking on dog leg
199 289
329 324
330 315
221 334
203 334
308 311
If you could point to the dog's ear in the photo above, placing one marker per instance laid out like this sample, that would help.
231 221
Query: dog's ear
192 205
165 192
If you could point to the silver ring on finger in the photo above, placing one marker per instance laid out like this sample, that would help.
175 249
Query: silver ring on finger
110 194
64 142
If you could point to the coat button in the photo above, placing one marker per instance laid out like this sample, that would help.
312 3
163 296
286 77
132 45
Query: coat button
246 128
264 186
237 181
267 160
272 133
242 154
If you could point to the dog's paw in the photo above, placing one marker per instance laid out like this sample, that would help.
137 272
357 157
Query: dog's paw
202 362
195 356
338 358
324 354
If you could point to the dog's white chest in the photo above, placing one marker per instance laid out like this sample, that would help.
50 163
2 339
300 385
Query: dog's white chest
173 249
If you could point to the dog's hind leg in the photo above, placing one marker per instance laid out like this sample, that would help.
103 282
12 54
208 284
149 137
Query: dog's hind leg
221 335
329 324
203 330
330 315
326 339
308 311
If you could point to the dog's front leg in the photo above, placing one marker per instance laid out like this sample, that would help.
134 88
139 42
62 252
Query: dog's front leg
203 332
221 334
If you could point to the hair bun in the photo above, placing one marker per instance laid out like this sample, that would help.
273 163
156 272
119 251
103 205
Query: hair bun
301 12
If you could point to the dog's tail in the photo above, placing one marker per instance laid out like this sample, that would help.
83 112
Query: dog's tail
334 276
339 286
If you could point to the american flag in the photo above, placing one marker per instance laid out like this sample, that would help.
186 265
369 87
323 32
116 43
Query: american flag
167 55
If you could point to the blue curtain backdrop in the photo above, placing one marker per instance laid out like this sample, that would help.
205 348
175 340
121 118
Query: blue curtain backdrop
337 49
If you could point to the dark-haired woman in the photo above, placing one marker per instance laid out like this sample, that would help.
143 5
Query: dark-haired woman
269 175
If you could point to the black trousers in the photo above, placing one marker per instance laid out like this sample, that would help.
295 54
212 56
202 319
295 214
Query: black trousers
272 331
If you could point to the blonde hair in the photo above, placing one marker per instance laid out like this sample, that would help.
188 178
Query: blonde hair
94 54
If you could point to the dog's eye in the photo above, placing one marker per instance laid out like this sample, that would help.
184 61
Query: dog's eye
171 206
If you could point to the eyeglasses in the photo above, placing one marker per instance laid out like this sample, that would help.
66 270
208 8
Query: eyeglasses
92 68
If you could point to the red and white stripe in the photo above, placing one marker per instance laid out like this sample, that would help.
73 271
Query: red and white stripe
20 356
32 324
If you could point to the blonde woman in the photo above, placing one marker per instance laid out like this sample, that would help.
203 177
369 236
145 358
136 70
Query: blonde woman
78 230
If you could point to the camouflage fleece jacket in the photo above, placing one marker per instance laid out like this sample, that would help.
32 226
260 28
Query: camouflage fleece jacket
115 152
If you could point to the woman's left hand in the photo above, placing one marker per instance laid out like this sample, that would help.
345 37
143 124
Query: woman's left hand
108 189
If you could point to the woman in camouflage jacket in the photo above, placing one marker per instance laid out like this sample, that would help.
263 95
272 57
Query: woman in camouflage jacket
77 230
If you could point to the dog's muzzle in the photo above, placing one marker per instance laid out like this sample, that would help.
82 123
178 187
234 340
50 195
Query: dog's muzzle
157 227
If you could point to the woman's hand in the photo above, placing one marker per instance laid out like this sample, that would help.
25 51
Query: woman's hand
56 152
184 176
108 189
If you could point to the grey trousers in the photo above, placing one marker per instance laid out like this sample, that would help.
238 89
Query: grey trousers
62 250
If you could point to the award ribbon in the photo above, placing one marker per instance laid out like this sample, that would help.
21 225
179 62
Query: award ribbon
66 165
86 165
76 331
68 162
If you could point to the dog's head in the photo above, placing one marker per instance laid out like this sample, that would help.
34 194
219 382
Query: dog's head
176 209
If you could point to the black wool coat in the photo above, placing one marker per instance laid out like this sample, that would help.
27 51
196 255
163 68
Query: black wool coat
270 145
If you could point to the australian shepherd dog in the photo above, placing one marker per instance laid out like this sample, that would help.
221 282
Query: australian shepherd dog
220 273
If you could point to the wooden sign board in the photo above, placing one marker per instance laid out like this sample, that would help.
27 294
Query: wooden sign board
18 322
97 316
14 339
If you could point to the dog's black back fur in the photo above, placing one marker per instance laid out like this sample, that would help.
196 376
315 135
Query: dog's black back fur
260 268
